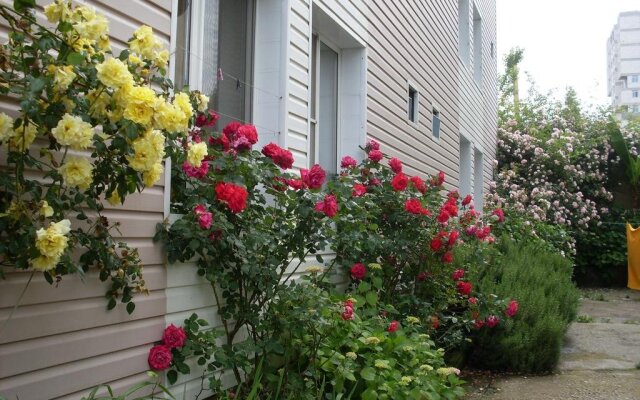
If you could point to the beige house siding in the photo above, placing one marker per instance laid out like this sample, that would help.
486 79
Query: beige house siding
61 340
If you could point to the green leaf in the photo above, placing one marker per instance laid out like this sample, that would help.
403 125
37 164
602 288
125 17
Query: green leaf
368 374
172 376
21 5
75 58
372 298
319 258
131 307
112 303
37 84
124 55
369 394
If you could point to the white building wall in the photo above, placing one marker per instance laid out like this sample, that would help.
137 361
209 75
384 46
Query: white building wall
623 63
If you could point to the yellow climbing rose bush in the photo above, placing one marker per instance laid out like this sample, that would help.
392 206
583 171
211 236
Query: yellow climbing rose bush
92 126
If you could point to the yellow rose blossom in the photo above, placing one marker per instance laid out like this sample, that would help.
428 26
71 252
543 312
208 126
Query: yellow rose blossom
77 171
202 101
57 11
196 153
314 269
148 151
161 58
151 176
74 132
82 45
52 242
144 43
22 138
63 77
114 199
135 60
6 127
182 100
45 209
69 105
170 118
104 44
43 263
90 25
140 104
114 73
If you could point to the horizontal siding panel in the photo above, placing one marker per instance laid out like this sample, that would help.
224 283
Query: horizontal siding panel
63 379
71 287
39 320
48 351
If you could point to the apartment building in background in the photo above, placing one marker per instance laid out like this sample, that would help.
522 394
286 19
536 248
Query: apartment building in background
318 77
623 66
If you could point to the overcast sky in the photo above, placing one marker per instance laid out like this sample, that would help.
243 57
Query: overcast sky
564 42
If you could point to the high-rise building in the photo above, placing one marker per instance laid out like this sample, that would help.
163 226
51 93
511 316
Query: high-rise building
623 65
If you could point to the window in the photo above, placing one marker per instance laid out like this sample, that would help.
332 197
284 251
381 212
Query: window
465 166
477 46
413 102
636 109
478 180
463 31
634 94
435 123
324 105
634 78
214 54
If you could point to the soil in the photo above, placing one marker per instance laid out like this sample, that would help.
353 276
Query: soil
600 359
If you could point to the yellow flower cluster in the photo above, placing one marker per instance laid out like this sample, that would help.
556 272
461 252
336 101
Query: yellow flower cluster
412 320
196 153
382 364
406 380
140 102
448 371
90 29
51 243
351 355
172 117
74 132
145 44
202 101
148 152
372 340
77 171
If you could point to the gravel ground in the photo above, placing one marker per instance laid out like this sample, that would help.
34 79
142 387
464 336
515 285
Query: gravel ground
599 361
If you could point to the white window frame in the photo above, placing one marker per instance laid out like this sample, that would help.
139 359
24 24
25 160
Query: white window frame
634 94
416 104
314 143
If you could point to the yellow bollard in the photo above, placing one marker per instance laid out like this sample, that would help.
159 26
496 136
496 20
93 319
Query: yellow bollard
633 257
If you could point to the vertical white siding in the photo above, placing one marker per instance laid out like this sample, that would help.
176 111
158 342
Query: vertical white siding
62 341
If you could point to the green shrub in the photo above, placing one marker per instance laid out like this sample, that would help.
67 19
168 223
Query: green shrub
602 250
541 281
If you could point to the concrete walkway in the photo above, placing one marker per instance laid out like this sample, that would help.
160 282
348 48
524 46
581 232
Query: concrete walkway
600 359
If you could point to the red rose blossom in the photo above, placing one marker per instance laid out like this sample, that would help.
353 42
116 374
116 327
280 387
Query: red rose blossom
492 321
393 326
457 274
478 323
467 199
174 336
396 165
372 145
248 132
160 357
193 172
233 195
358 190
296 184
329 206
435 322
375 156
473 300
314 177
447 257
281 157
436 244
512 308
453 237
422 276
348 162
464 288
418 184
499 213
414 206
347 311
399 182
358 271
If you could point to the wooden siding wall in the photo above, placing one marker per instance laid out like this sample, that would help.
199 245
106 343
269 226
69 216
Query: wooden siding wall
407 41
62 340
